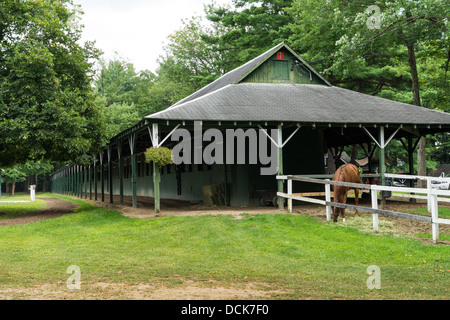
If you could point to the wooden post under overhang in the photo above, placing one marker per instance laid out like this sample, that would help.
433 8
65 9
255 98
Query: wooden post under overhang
119 153
156 170
382 163
280 166
90 182
85 182
102 180
95 178
110 182
78 181
132 143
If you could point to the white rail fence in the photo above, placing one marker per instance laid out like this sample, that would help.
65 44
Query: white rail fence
432 195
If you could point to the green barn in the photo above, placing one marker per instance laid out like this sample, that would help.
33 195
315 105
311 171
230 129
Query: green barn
275 92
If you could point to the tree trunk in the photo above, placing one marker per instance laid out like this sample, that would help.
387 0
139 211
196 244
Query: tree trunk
422 161
421 150
13 188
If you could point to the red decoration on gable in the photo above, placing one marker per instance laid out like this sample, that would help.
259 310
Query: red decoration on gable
280 55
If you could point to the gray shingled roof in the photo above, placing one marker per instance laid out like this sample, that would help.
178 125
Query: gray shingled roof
226 99
302 103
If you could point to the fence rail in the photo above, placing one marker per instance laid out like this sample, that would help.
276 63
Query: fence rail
431 196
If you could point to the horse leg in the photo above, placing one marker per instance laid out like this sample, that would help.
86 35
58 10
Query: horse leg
343 209
356 201
335 214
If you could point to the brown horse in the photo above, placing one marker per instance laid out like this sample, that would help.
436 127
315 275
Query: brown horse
345 173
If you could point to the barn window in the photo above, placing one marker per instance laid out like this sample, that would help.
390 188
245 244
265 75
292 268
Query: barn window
280 55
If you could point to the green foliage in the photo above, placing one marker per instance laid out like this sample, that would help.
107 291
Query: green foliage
40 167
334 38
249 28
46 103
118 116
14 174
160 156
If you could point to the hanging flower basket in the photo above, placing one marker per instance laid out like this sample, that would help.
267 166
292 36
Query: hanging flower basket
160 156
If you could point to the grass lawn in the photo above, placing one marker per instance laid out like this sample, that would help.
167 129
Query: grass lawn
297 255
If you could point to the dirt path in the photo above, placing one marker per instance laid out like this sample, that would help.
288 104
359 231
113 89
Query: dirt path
186 290
55 208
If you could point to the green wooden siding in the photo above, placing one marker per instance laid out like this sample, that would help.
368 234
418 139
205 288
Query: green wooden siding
280 69
288 70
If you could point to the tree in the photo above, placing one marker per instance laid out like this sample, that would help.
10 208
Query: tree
384 61
47 104
188 64
121 86
34 170
13 175
248 28
120 116
414 23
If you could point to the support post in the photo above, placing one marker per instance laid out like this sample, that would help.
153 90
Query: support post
410 156
110 182
156 189
119 153
72 181
382 164
102 180
433 207
95 178
133 179
132 143
280 166
90 182
411 164
328 199
374 196
78 181
289 189
156 171
85 182
75 180
434 217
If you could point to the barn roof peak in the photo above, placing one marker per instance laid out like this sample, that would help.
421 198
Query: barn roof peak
237 75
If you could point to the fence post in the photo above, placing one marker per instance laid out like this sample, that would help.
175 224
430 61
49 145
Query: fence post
433 207
434 218
429 195
289 190
374 195
328 199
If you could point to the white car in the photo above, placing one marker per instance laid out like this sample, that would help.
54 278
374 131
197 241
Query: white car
442 185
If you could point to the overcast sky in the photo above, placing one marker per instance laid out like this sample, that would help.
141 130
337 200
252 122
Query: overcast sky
136 29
